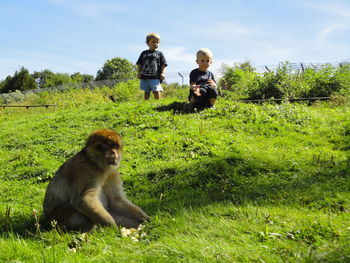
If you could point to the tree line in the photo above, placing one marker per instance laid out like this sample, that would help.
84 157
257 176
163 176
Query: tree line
115 68
242 80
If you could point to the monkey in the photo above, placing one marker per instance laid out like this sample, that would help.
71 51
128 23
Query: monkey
87 190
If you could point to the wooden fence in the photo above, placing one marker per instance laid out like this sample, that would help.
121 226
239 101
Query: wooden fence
27 106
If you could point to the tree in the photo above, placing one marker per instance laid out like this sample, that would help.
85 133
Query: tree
46 78
3 83
77 77
118 69
88 78
21 80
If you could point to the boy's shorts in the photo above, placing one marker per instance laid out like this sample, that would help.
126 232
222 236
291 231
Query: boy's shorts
209 91
149 85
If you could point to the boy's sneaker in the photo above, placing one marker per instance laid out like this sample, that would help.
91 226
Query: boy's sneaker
211 107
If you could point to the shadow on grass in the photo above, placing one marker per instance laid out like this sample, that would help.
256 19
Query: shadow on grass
23 225
241 182
177 108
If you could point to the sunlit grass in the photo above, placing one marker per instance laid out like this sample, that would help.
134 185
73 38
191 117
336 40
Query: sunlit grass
241 183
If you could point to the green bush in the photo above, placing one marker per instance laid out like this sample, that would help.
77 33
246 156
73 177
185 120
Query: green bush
343 75
325 81
239 79
281 83
284 83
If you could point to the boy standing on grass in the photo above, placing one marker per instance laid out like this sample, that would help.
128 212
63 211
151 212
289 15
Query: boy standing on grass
150 67
203 89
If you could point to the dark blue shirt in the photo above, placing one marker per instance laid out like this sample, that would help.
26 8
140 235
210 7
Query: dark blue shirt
151 63
201 77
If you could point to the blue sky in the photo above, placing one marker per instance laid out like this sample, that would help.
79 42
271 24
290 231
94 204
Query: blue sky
69 36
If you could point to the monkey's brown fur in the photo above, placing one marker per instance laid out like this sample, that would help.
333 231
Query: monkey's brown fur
87 189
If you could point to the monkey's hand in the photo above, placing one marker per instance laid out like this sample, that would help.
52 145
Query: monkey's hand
128 209
137 213
141 216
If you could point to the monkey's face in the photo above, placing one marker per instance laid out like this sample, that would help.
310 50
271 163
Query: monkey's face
104 147
111 152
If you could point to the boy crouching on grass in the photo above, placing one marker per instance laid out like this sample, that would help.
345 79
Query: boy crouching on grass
150 68
203 89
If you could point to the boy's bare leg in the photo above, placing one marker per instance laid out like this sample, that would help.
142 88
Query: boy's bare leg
157 95
147 95
212 101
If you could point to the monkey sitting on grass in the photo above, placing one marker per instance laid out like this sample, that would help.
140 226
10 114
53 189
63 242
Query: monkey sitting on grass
87 190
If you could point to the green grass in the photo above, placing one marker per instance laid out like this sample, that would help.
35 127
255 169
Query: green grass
241 183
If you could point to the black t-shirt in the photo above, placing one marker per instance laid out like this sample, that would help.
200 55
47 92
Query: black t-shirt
201 77
151 63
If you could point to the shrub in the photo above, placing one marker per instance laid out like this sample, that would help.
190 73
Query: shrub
285 83
323 82
239 79
281 83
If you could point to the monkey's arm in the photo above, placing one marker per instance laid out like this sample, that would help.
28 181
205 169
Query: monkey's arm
119 203
89 205
123 206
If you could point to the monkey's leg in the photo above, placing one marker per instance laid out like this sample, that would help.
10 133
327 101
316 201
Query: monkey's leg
69 218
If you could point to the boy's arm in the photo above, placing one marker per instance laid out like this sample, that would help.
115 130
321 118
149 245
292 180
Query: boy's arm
195 88
212 82
162 72
138 70
193 85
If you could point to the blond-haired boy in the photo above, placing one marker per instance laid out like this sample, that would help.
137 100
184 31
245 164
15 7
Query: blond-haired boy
203 89
150 67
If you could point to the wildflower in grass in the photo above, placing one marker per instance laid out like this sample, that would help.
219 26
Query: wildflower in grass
134 234
72 250
53 223
134 239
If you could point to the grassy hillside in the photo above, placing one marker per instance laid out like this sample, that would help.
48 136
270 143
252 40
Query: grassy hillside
241 183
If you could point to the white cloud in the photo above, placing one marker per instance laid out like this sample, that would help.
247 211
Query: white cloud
333 28
95 9
179 54
334 8
37 61
92 9
335 13
225 31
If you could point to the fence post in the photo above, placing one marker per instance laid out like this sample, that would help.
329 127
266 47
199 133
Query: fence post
182 77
